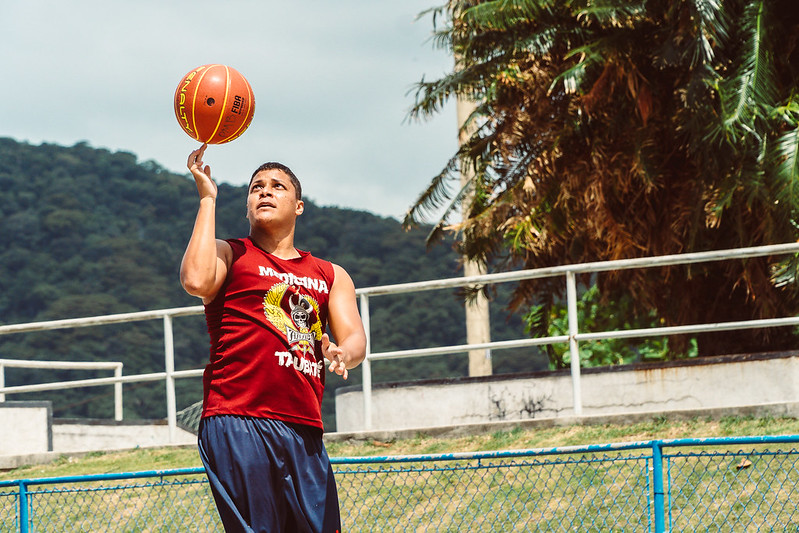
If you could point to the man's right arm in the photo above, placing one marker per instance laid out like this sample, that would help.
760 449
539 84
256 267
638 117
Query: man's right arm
206 260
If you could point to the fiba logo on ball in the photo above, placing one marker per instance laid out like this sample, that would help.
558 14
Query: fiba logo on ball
214 104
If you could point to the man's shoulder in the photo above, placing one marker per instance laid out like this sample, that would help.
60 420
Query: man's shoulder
231 250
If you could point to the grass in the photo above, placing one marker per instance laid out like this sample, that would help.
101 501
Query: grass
517 438
135 460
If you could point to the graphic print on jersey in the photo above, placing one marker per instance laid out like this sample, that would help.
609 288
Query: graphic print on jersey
300 325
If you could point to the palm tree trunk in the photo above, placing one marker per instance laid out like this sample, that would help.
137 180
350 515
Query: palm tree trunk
478 322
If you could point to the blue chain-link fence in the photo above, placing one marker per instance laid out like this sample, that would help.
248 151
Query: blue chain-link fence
705 485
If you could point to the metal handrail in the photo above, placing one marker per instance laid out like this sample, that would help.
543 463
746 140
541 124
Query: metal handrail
100 320
573 338
64 365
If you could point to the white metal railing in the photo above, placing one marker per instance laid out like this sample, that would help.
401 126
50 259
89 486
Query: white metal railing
62 365
573 338
169 375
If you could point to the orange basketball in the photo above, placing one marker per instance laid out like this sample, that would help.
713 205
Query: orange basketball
214 104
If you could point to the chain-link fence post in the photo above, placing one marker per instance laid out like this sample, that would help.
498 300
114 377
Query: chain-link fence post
23 507
657 486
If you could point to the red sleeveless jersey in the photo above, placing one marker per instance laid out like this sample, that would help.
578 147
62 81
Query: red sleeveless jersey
266 325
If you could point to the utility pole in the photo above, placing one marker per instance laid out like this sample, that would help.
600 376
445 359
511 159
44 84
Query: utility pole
478 322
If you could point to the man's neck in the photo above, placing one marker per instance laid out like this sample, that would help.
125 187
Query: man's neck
279 247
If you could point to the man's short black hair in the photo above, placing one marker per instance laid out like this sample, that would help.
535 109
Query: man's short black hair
273 165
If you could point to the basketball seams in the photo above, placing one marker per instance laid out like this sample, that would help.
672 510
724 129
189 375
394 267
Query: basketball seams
194 100
224 104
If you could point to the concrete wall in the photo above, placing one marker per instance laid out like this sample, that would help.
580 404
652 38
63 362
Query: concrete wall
25 427
86 435
699 384
78 437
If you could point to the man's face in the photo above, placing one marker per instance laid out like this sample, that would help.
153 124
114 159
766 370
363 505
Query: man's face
272 198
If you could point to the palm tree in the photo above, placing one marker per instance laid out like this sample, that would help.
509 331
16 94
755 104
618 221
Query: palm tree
609 129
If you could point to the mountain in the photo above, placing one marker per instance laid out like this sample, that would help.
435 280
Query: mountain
88 232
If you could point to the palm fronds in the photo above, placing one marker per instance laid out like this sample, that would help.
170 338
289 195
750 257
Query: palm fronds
616 128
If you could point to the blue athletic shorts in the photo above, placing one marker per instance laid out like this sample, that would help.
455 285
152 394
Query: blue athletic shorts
269 476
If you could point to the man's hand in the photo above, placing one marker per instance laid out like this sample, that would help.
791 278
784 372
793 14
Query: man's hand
335 355
202 176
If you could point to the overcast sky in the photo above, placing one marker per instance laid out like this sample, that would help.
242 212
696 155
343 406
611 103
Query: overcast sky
331 82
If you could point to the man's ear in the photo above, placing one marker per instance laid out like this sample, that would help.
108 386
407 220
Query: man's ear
300 207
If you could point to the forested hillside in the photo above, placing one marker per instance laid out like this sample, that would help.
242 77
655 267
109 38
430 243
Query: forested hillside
88 232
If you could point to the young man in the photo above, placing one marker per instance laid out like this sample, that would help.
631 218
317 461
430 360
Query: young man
268 306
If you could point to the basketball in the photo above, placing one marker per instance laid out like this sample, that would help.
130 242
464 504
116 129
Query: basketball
214 104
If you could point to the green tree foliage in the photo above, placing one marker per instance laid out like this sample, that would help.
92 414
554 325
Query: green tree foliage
87 232
594 316
617 129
